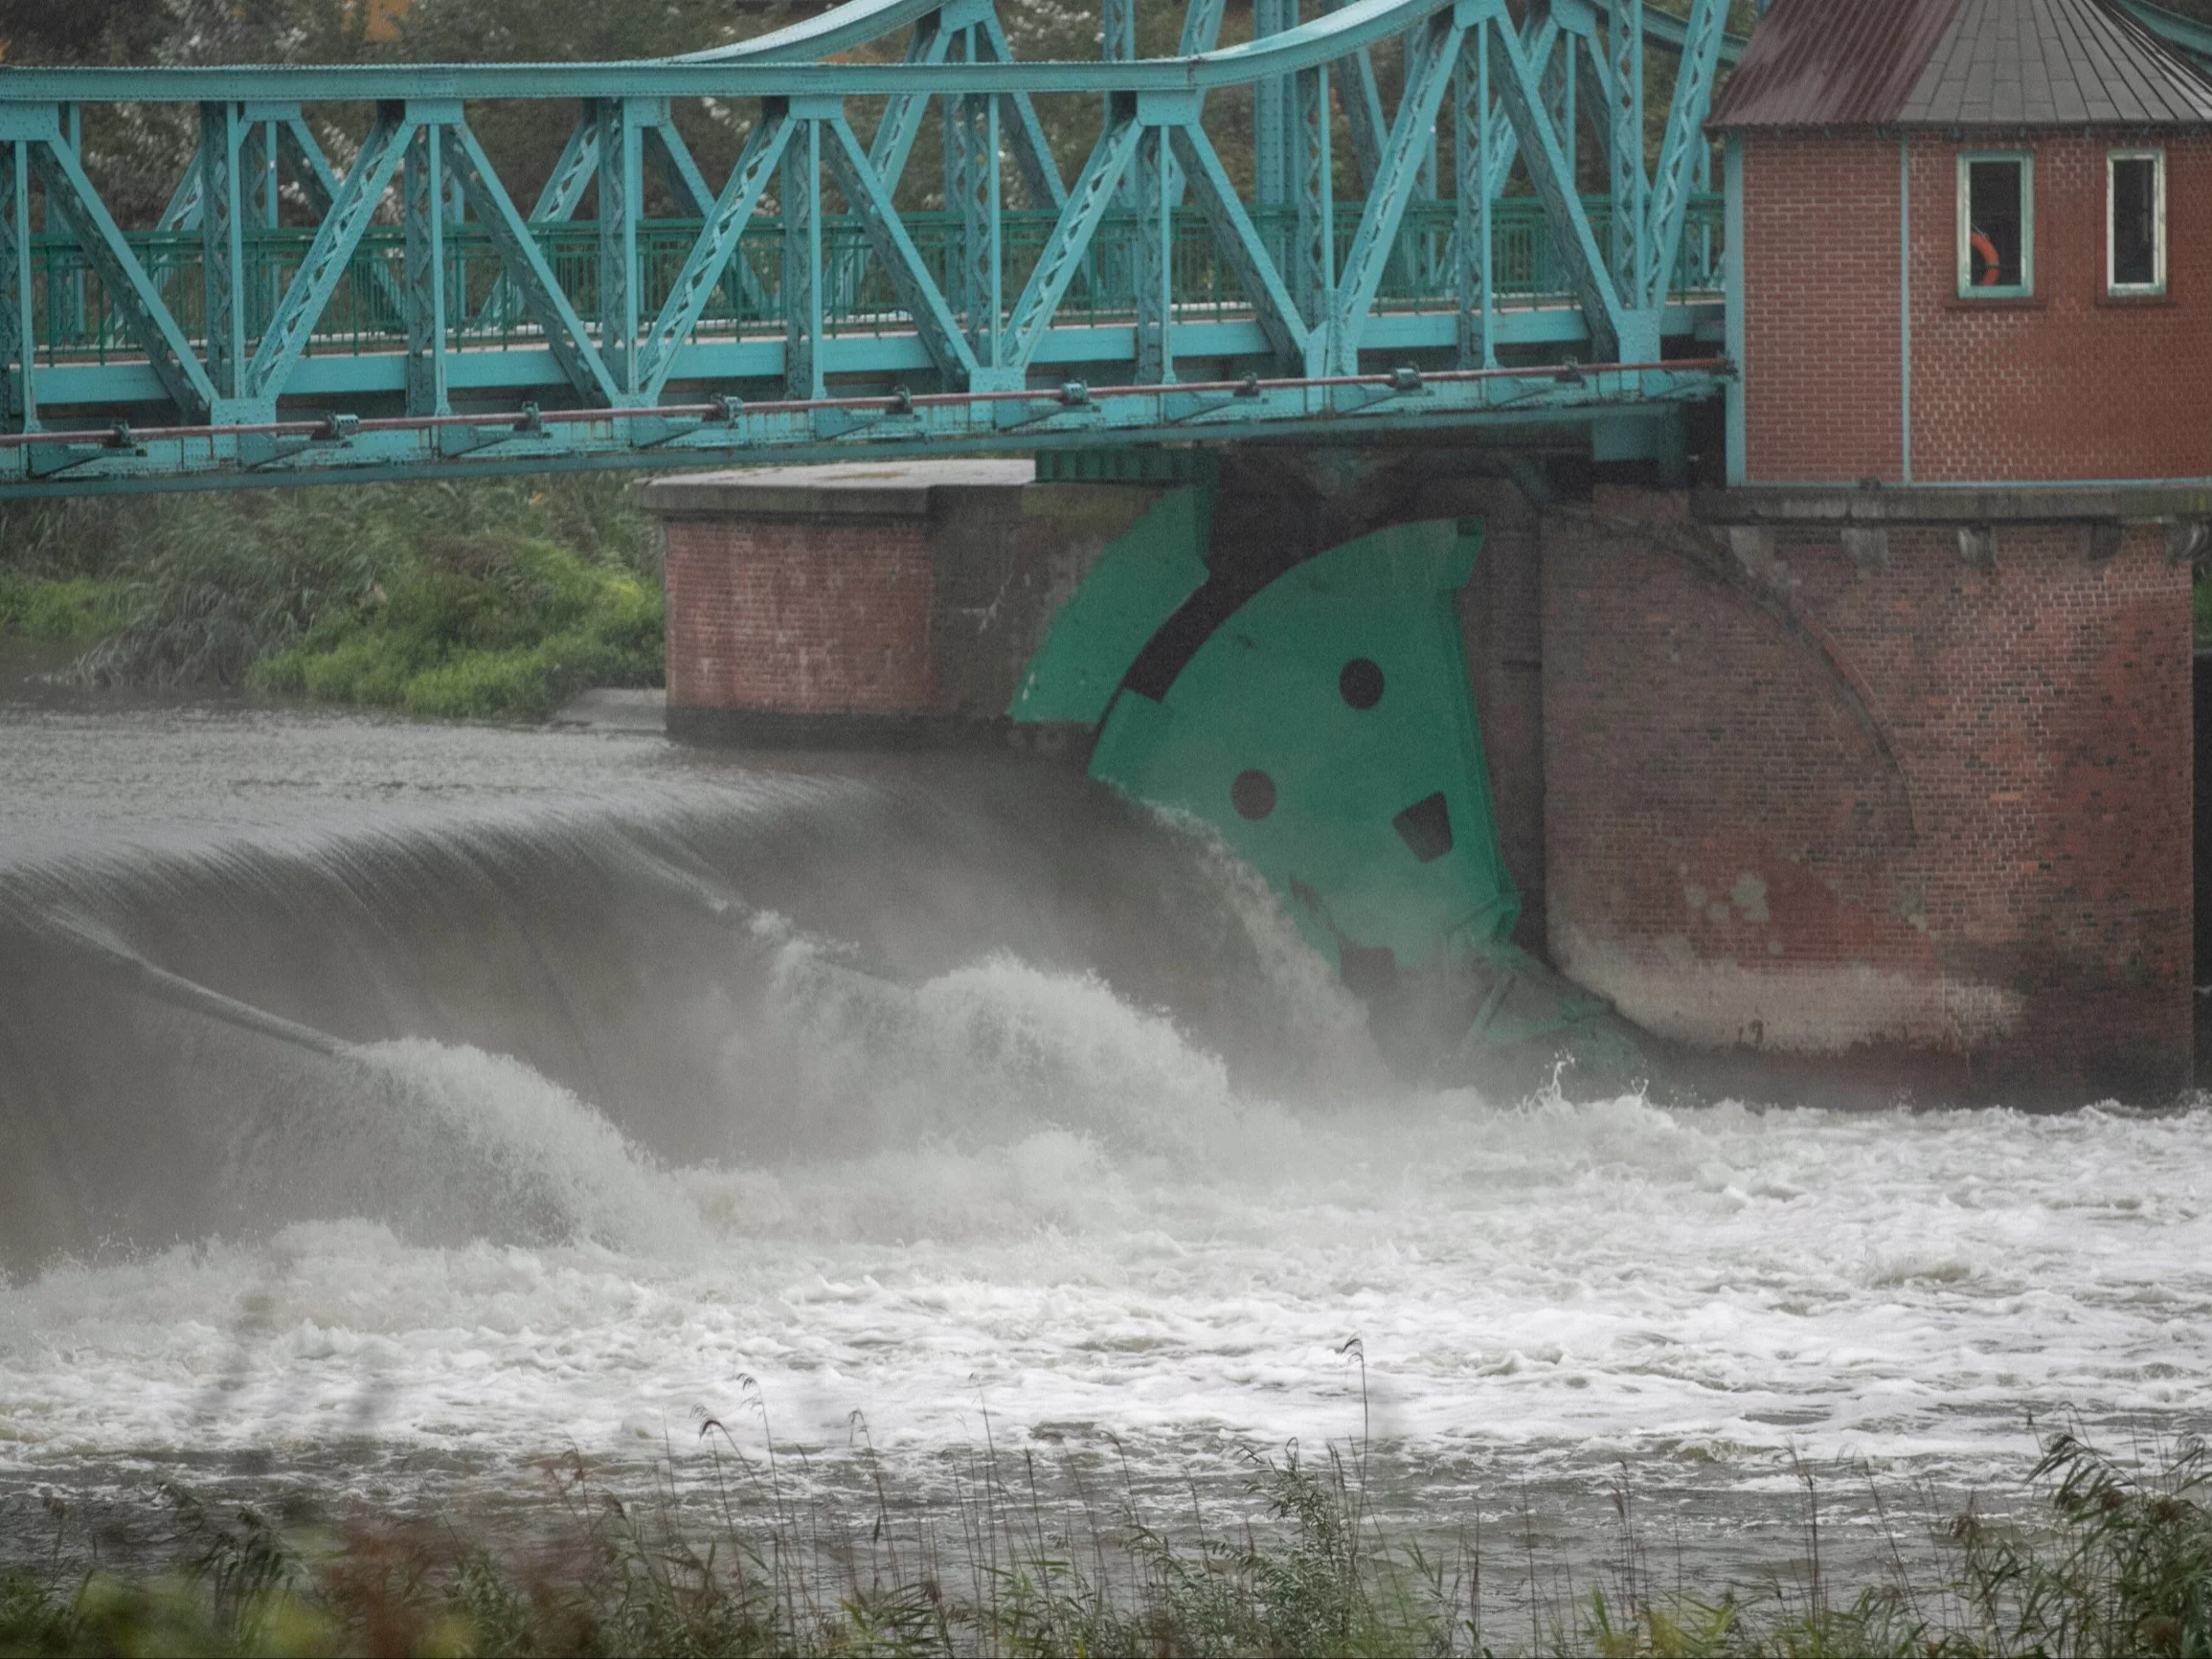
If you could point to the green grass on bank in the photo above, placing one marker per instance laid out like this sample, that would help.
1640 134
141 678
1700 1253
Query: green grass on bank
2117 1561
499 627
65 609
492 599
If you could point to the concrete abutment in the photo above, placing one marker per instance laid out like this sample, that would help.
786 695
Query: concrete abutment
1842 800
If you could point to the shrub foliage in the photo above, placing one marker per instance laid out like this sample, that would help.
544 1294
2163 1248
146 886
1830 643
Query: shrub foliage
486 600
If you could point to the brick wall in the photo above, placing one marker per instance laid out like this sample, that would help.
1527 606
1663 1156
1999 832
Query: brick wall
799 615
1931 819
1007 561
1822 367
849 605
2070 384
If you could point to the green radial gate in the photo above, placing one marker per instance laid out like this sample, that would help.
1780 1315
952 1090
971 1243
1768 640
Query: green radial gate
1325 724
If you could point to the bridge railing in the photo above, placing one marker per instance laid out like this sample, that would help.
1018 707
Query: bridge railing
78 322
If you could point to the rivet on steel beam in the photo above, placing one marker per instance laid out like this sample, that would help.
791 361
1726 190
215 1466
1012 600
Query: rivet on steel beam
1977 545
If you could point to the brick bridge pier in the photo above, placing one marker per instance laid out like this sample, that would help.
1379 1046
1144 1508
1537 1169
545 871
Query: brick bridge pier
1849 791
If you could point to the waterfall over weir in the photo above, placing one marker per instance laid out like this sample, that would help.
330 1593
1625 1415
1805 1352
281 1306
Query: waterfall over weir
261 1028
385 1108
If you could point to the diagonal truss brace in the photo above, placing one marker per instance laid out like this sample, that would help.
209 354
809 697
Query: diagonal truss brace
1032 149
1062 256
1239 240
320 183
526 268
711 255
670 159
1434 54
1522 98
917 293
1685 142
72 200
1539 37
1362 100
328 256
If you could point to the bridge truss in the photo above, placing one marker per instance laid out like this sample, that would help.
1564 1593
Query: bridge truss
423 323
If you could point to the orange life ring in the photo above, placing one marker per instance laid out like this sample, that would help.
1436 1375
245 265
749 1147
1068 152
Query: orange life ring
1987 249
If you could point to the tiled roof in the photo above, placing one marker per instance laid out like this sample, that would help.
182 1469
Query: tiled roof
1831 63
1958 63
2052 63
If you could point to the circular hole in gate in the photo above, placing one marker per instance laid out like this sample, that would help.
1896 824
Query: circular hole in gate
1362 683
1252 794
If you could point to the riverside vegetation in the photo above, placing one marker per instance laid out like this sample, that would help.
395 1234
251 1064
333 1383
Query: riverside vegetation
486 599
490 600
2116 1560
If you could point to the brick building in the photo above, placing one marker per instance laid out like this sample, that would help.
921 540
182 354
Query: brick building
1882 756
1957 263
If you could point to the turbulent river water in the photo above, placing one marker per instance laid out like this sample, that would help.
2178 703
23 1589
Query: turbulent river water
385 1108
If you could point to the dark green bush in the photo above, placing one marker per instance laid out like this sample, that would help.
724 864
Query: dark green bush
488 628
493 599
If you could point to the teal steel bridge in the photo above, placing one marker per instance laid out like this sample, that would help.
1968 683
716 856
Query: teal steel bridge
424 323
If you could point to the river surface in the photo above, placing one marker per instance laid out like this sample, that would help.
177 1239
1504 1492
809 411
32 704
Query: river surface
387 1107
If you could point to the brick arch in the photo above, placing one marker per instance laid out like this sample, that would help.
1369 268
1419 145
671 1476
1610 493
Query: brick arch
1726 848
1730 838
1826 663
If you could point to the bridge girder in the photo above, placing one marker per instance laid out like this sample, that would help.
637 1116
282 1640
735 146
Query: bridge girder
500 340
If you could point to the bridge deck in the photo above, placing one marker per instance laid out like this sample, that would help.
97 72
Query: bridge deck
227 345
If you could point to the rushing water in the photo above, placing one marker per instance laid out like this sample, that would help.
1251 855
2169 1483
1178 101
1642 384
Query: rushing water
388 1106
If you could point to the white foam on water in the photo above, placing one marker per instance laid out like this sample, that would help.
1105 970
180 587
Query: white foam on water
1068 1216
1325 1025
1001 1049
481 1144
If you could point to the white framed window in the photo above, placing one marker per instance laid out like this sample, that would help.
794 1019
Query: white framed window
1996 224
2135 221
